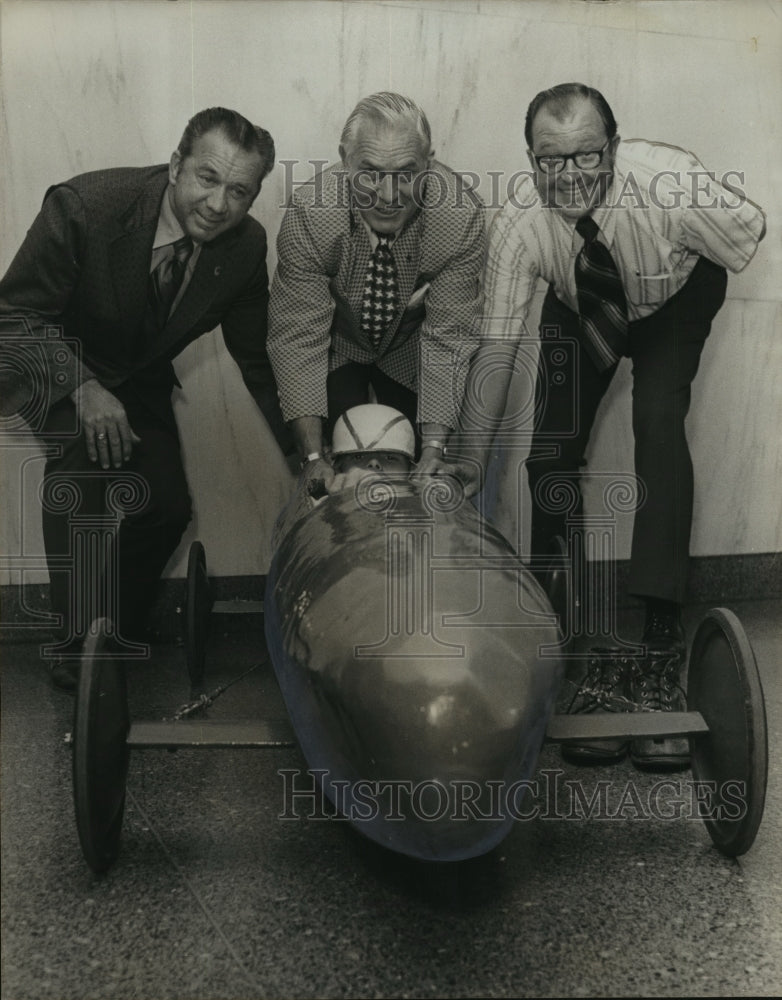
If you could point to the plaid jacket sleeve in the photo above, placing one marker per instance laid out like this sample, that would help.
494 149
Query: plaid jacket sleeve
301 308
449 333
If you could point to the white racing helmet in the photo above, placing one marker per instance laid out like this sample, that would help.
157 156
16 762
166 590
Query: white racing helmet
373 427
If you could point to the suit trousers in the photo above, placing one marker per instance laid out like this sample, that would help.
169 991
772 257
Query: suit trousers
109 533
665 350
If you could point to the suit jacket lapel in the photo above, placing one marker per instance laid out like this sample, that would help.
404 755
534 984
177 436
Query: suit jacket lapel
130 251
407 257
204 285
354 264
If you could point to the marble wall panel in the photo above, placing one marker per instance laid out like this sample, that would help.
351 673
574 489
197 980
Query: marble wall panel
97 83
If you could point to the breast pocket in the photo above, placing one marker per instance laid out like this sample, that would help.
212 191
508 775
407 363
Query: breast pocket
651 281
648 289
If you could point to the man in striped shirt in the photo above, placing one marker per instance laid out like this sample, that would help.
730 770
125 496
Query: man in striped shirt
671 231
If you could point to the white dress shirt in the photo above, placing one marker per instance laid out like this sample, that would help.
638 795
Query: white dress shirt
661 212
168 232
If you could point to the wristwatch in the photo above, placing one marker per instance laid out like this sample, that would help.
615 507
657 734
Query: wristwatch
434 444
312 457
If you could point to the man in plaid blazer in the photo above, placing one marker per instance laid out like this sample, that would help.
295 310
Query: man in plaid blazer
85 358
324 357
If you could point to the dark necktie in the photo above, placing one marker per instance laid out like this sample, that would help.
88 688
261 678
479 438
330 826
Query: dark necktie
601 299
381 291
166 280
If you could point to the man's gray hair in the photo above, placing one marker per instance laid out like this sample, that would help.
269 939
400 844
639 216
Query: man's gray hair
386 108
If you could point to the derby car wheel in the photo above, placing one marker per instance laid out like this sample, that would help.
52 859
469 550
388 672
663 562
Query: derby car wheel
732 758
197 615
100 751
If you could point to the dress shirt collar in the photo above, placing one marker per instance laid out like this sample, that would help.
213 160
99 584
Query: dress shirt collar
169 231
373 240
168 228
356 216
604 216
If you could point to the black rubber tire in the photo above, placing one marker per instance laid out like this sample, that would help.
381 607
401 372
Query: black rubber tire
724 686
100 750
197 615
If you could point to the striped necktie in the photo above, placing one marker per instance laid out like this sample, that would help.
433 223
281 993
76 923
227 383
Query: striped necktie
381 291
166 280
601 299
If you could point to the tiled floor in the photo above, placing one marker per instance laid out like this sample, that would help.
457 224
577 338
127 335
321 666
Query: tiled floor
213 896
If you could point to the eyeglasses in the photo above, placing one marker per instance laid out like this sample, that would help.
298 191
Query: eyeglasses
555 163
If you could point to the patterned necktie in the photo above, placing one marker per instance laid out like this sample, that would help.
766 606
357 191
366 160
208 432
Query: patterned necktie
381 291
601 299
166 280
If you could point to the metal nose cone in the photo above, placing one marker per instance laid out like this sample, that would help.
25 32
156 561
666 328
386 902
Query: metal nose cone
418 660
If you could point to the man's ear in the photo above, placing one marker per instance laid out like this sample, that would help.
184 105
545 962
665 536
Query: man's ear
343 155
174 166
531 158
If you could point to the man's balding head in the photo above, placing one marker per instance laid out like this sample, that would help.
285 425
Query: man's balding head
559 100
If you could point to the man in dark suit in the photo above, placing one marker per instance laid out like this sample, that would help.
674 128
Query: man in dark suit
377 285
121 270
